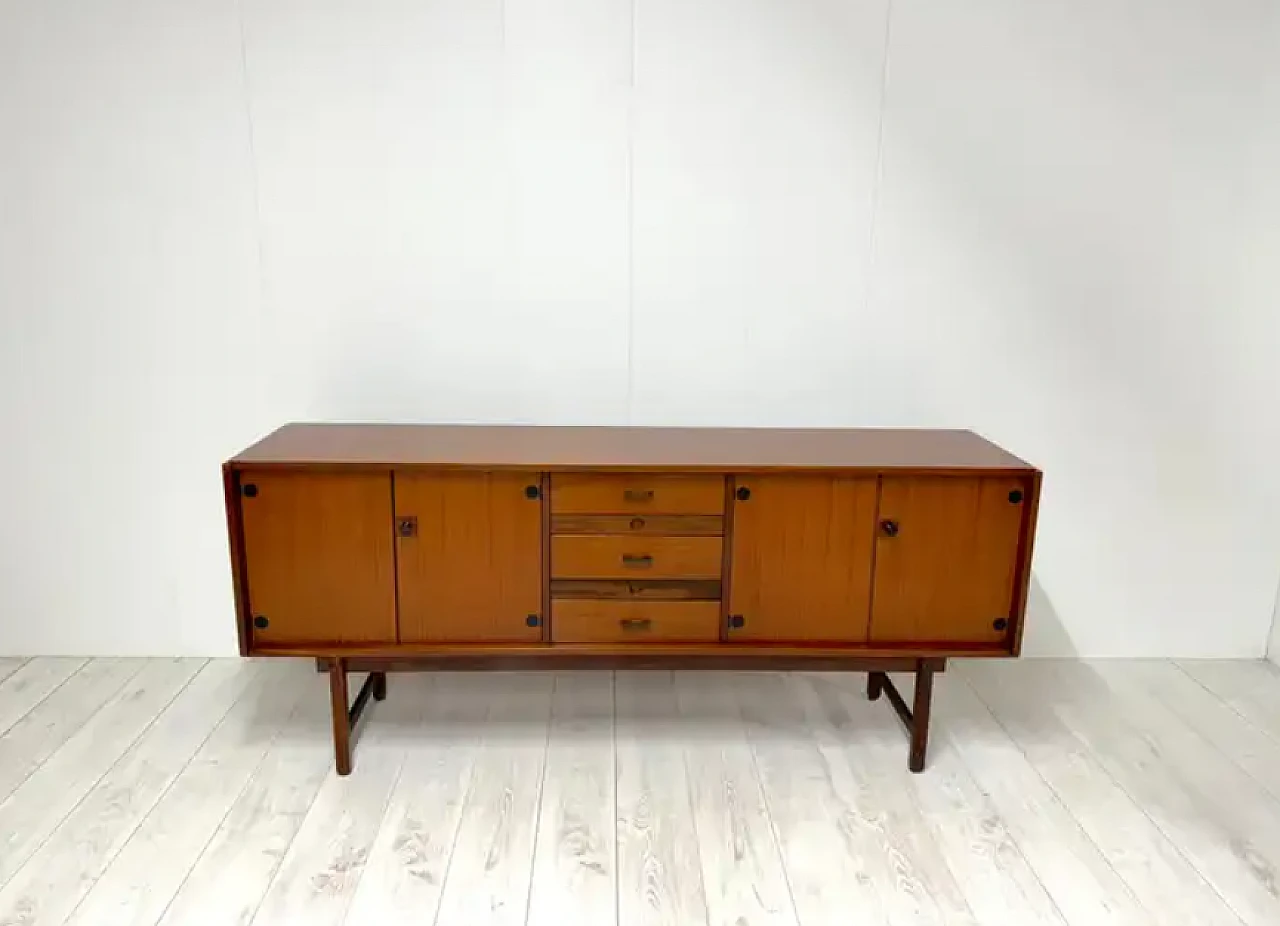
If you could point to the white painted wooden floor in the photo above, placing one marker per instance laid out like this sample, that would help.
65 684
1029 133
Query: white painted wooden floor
202 792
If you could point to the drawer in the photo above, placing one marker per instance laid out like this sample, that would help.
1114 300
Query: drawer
637 493
671 525
637 589
585 557
635 621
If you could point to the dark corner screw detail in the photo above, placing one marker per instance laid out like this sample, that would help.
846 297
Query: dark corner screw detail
743 494
261 622
1000 623
531 620
736 620
531 492
1015 496
250 490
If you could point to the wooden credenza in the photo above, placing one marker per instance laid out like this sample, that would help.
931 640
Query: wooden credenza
377 547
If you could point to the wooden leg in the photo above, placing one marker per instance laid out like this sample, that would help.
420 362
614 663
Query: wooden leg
341 719
916 717
921 706
379 685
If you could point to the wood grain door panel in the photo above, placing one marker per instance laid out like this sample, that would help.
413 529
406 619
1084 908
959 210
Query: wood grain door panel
948 573
319 557
801 558
473 572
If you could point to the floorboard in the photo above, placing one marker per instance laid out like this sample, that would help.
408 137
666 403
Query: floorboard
136 792
574 875
659 870
1024 702
489 874
30 683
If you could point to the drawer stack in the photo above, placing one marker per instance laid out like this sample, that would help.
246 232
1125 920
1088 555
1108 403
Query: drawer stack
636 558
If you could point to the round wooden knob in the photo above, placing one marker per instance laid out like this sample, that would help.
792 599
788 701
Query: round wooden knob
530 491
1015 496
261 622
250 490
1000 623
743 493
637 524
531 620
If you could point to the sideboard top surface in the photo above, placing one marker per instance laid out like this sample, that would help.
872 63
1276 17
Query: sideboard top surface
555 448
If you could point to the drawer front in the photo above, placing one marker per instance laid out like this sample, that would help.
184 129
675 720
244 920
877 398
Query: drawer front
636 557
637 589
637 493
635 621
668 525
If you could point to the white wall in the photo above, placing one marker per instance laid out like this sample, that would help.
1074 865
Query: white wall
1054 224
1273 648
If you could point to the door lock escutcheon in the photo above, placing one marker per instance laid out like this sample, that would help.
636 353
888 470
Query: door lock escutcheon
407 526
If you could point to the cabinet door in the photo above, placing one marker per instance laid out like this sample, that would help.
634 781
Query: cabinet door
319 559
946 559
472 569
801 565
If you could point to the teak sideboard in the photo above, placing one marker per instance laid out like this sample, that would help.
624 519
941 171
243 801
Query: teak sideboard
385 547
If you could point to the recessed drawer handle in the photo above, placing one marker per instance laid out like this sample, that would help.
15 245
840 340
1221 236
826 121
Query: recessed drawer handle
634 561
634 624
638 495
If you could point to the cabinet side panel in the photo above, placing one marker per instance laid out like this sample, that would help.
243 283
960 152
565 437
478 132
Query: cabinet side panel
318 557
235 543
947 569
1026 552
473 571
801 562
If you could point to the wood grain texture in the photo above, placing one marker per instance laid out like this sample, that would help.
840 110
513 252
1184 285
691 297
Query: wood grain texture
319 557
31 683
473 573
143 878
1151 866
1213 718
46 726
319 875
58 875
35 809
742 874
832 861
489 874
949 573
659 867
1082 883
628 622
574 880
625 448
1219 819
1250 688
405 874
637 589
974 841
670 525
923 888
10 664
636 494
228 881
1080 793
636 557
802 558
